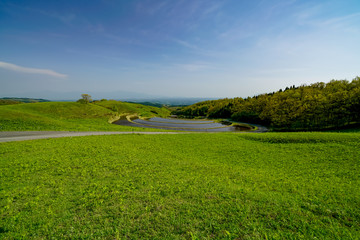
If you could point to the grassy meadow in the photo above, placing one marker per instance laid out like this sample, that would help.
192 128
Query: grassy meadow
192 186
72 116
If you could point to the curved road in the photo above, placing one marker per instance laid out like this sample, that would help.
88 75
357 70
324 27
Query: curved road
11 136
186 125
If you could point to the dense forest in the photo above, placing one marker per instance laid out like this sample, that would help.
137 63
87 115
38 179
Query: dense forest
306 107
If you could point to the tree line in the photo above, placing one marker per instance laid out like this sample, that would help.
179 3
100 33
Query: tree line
306 107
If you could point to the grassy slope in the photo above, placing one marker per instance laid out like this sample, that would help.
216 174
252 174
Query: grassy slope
124 107
200 186
64 116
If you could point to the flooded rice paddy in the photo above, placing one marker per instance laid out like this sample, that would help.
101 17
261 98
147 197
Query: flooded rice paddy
181 125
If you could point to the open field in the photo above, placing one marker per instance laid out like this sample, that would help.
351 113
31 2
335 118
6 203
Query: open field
195 186
72 116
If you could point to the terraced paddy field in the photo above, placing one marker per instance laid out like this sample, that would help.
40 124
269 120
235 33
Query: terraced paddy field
182 125
183 186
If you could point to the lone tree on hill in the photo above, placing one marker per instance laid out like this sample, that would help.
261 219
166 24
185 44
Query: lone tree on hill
85 98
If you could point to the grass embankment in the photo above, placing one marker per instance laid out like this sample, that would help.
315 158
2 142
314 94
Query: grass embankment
71 116
199 186
133 108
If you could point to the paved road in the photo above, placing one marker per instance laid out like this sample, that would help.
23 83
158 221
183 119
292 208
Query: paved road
10 136
31 135
180 125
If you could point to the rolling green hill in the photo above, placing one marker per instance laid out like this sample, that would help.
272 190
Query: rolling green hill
133 108
71 116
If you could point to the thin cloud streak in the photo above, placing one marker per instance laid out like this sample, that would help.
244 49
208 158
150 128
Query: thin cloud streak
193 67
340 20
16 68
311 15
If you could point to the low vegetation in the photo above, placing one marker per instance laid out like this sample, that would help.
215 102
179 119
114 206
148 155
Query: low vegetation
193 186
22 100
317 106
71 116
8 102
133 108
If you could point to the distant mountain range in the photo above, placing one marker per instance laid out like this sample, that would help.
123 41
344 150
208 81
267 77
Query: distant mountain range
158 102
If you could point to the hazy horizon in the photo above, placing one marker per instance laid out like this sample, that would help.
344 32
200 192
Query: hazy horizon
129 96
188 48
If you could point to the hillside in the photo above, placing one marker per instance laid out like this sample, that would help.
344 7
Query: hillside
70 116
317 106
132 108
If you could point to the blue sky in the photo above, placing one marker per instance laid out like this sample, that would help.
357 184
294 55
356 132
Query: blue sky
175 48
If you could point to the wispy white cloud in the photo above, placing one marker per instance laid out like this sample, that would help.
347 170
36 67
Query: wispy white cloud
193 67
16 68
152 8
308 13
185 44
96 28
313 16
200 51
236 34
340 21
66 18
212 9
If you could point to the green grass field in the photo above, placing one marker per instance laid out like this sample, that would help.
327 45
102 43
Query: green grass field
71 116
195 186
